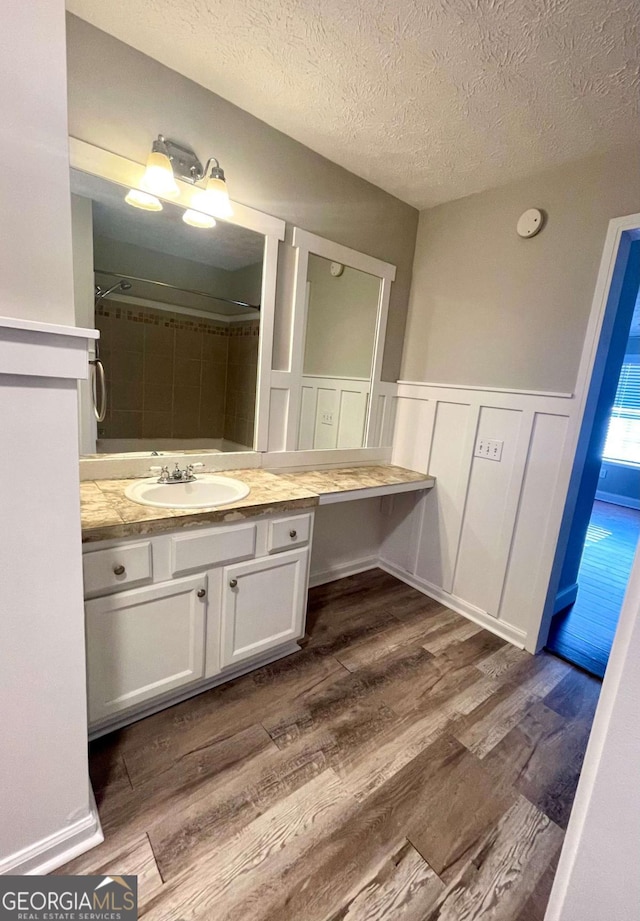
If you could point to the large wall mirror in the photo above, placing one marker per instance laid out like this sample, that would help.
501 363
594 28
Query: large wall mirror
183 313
340 301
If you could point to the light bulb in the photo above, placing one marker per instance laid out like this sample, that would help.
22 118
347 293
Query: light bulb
198 219
214 199
143 200
158 176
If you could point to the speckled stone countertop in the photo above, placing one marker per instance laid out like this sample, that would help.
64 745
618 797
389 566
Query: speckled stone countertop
107 514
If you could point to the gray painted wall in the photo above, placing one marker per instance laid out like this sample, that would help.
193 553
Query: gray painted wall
490 309
120 100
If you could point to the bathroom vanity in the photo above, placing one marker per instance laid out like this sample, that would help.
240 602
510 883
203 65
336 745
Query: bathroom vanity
178 601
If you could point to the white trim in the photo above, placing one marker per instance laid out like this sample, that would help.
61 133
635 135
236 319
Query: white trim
342 570
336 252
304 243
565 494
32 352
51 329
372 492
265 353
531 393
615 499
555 405
336 377
498 627
57 849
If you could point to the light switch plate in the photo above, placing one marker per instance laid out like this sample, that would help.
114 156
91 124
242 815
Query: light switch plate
489 448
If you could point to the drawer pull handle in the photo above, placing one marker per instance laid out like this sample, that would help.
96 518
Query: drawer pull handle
233 583
119 569
201 593
293 534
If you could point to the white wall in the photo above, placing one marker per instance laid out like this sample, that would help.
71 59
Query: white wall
341 321
35 237
346 402
44 785
489 309
346 539
598 874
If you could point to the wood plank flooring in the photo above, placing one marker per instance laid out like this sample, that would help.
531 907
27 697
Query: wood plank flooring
405 764
584 634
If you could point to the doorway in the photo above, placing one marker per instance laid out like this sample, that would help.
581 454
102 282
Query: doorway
603 521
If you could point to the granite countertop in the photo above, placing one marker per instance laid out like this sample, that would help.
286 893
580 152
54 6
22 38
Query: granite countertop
107 514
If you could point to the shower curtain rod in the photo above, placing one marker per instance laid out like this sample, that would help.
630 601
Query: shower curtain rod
163 284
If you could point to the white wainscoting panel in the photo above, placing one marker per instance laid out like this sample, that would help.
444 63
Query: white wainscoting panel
532 523
481 548
452 438
477 540
345 399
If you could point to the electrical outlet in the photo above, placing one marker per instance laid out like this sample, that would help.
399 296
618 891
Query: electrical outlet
603 472
326 418
489 448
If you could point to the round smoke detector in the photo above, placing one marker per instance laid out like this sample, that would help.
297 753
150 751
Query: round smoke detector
530 223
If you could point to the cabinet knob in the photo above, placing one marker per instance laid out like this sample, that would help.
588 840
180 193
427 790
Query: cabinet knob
233 583
201 593
119 569
293 534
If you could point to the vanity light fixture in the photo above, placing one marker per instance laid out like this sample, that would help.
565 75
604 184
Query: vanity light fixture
169 160
198 219
143 200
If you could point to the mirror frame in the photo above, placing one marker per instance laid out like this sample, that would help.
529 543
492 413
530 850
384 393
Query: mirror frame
107 165
306 243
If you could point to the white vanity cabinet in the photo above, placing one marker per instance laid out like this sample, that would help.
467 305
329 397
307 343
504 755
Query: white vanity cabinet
144 643
170 615
263 605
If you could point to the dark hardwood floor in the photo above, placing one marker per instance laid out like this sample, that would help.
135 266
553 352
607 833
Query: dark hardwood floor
584 634
405 764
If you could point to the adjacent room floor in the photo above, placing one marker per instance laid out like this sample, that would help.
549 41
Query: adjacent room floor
405 763
585 634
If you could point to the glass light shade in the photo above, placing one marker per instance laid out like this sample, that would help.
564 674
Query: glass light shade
143 200
158 176
198 219
214 199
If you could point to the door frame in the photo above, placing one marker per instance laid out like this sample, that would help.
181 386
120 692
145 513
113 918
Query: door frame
622 232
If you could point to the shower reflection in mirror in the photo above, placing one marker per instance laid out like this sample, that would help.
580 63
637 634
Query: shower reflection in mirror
178 311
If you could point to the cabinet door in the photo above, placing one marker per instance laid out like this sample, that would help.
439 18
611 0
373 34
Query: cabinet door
263 605
143 643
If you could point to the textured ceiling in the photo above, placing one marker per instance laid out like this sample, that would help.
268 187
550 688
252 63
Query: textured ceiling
428 99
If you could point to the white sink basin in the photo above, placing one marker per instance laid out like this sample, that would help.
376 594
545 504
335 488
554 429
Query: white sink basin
207 491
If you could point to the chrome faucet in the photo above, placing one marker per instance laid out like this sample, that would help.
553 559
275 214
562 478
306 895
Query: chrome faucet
176 475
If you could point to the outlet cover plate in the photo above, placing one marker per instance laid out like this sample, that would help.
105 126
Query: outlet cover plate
489 449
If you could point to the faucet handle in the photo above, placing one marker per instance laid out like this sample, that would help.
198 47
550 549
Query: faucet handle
163 471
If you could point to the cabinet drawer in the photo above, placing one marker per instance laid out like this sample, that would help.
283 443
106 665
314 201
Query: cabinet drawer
190 552
117 568
288 533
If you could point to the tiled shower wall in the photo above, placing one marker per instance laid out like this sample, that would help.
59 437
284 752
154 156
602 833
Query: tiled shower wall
170 375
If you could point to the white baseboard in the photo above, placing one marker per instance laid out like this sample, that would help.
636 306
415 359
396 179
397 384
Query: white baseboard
57 849
565 597
614 499
504 631
352 568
